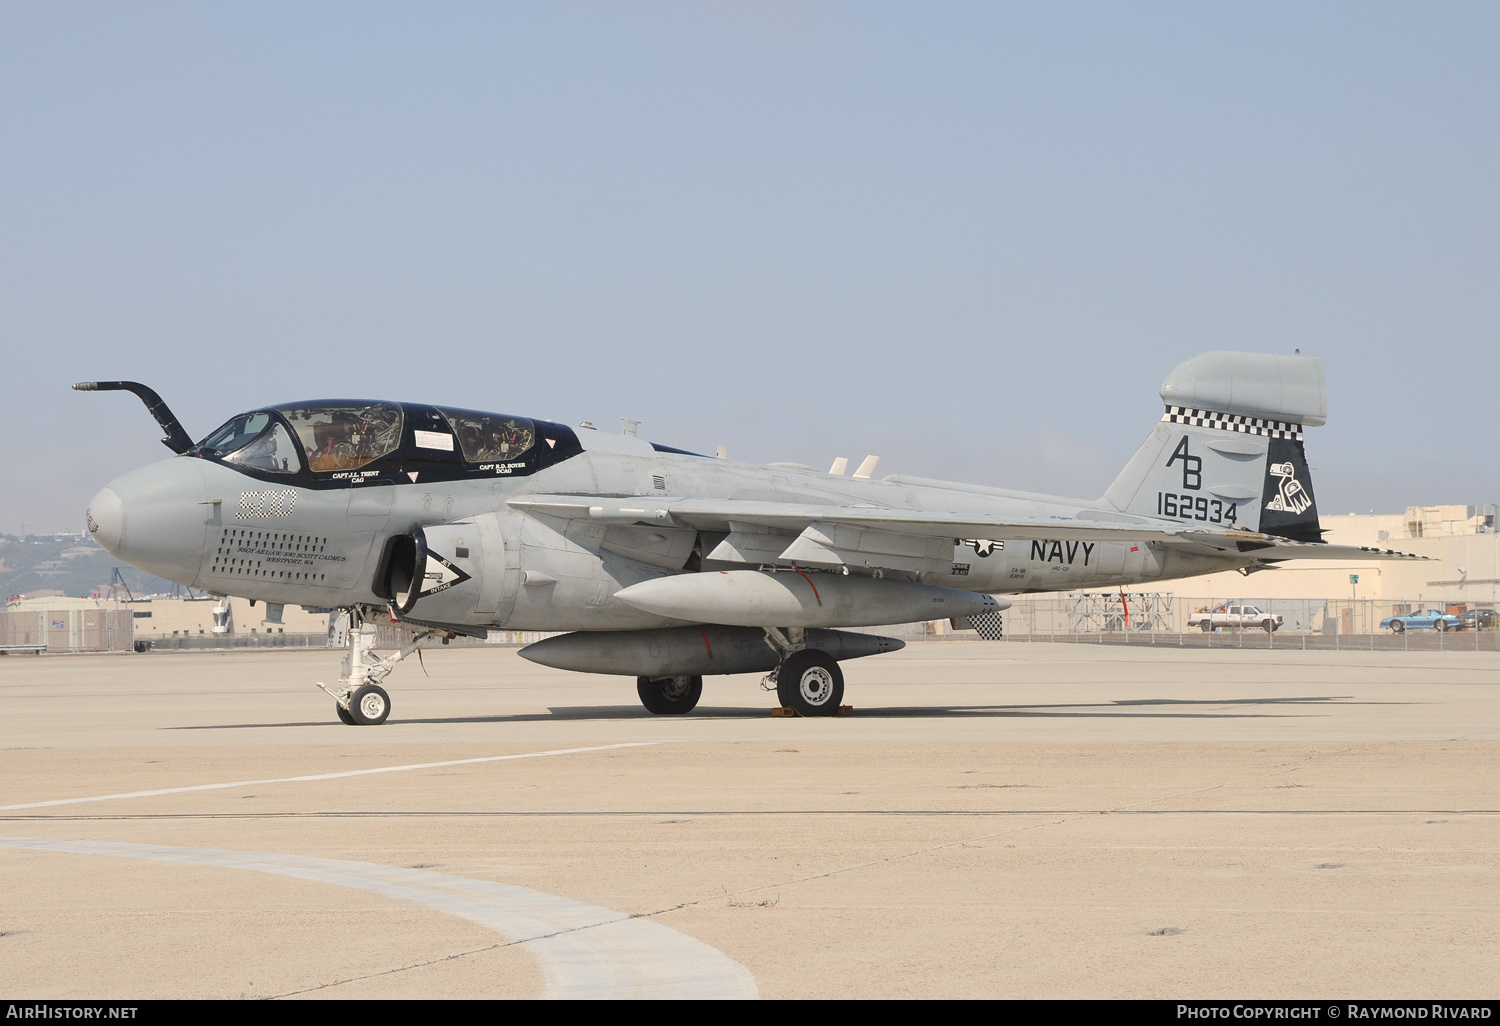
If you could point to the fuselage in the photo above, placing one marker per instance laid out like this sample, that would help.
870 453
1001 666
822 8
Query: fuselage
310 515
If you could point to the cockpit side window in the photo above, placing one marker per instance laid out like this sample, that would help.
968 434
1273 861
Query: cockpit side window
490 437
273 451
342 436
234 435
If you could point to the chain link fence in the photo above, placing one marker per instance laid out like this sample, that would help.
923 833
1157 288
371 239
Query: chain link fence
1163 618
1094 618
66 630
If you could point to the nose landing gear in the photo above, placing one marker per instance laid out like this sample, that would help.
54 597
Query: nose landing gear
359 700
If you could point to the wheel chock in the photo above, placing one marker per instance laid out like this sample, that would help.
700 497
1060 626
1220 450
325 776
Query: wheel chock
784 710
846 710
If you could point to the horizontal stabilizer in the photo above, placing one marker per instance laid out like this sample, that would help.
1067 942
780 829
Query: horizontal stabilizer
1270 549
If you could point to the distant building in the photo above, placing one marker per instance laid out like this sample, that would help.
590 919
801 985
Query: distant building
175 617
161 617
1461 540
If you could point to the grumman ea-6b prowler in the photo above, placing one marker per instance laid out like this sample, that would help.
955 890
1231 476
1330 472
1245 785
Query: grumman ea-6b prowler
670 566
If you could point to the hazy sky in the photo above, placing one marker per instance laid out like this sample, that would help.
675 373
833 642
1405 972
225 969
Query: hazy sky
972 239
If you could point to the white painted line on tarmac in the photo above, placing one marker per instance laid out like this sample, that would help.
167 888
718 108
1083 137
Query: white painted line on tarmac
584 951
324 776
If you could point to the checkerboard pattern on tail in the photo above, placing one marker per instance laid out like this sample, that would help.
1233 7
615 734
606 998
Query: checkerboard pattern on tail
1233 422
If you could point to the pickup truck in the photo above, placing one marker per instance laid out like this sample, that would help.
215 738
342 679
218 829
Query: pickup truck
1234 615
1415 621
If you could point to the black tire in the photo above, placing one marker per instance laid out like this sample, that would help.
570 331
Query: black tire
1397 626
370 705
1269 625
1206 627
669 696
344 714
1441 625
810 683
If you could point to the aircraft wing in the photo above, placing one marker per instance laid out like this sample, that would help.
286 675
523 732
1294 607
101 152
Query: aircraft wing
720 515
723 514
907 539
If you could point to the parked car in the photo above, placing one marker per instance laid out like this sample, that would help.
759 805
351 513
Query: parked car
1234 615
1415 621
1484 619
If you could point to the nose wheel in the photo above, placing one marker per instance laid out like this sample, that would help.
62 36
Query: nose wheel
368 706
359 700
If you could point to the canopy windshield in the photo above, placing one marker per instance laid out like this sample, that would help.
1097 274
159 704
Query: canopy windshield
272 450
343 436
236 434
257 440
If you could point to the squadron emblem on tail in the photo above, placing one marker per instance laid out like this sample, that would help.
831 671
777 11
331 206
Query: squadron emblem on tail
1290 497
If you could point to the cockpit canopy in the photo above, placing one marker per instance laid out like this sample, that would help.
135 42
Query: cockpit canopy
490 437
343 435
334 437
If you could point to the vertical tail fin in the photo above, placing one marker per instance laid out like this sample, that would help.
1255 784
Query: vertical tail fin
1228 450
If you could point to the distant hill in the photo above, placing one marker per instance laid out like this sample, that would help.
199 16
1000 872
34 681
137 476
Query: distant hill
72 564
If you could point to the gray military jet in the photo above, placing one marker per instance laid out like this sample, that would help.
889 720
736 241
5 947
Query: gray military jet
667 565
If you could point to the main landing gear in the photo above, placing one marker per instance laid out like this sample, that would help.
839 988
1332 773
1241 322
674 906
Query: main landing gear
359 699
669 696
811 683
807 681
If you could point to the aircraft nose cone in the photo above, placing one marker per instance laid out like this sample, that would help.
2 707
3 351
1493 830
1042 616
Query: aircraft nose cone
153 518
106 519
